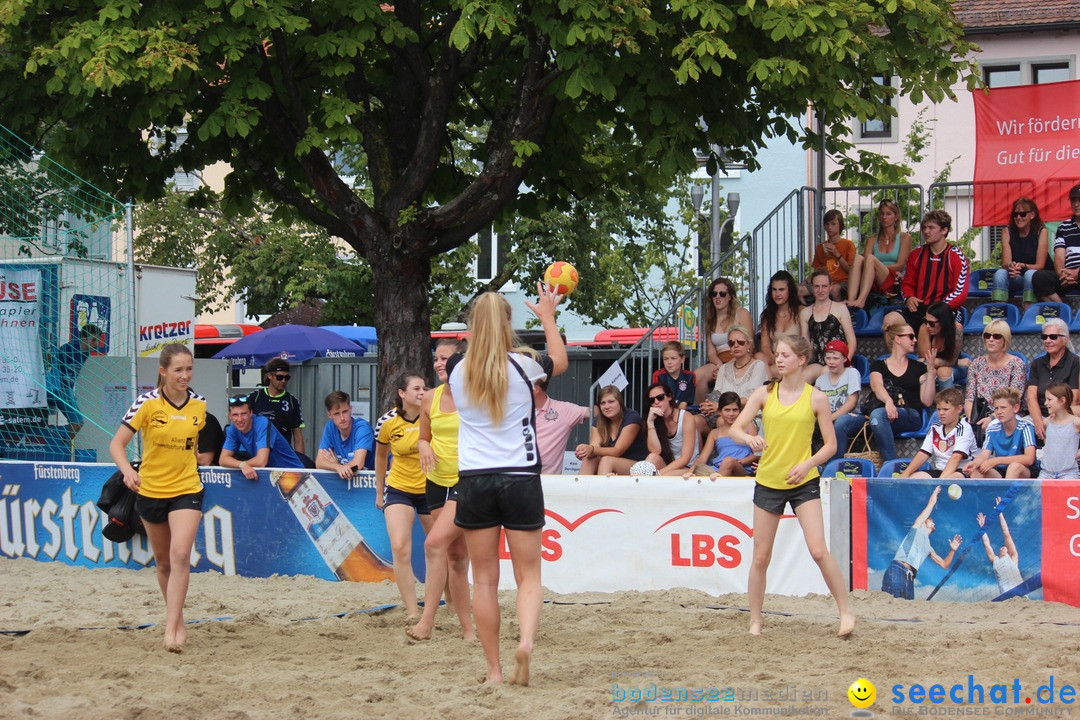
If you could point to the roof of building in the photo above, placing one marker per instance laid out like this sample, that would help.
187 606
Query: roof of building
995 15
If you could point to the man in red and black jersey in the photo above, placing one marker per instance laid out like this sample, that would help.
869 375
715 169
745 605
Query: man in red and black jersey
935 272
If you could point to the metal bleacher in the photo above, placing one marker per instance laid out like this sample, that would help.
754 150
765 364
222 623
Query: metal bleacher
785 239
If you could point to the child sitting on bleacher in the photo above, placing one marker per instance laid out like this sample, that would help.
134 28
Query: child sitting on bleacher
1010 442
672 375
949 442
727 457
1062 435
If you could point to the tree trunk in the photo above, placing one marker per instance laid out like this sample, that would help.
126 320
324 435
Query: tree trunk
402 320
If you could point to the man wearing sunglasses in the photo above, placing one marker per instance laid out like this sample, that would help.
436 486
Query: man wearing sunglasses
1059 364
278 405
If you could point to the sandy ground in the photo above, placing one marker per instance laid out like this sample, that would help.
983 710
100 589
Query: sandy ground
281 652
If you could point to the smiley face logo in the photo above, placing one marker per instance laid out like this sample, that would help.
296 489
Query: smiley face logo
862 693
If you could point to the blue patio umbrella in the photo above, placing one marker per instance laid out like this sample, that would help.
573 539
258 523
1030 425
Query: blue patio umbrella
363 334
295 343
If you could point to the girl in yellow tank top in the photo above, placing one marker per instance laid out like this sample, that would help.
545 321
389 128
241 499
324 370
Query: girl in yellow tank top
787 473
445 553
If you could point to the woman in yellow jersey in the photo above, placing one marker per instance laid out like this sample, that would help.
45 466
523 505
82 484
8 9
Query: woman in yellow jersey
401 494
444 549
787 472
167 482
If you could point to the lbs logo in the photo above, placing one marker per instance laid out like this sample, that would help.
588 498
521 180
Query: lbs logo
550 547
708 549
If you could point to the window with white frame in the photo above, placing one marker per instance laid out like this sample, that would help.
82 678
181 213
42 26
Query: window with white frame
491 257
882 128
1028 71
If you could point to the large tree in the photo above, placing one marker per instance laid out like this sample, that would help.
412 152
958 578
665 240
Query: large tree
458 113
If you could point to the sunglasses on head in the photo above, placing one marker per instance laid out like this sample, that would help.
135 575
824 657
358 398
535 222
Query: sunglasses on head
993 336
1051 336
720 293
653 399
238 400
281 377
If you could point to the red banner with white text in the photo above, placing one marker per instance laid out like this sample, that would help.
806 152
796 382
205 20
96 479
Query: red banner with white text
1027 144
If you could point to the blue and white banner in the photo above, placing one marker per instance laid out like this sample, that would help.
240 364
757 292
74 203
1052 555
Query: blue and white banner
48 512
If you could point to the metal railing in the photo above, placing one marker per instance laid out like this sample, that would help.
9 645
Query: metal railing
785 239
641 359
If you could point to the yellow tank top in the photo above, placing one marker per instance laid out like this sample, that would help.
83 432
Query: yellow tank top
788 430
444 435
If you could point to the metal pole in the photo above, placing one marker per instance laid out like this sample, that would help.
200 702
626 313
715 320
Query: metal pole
714 224
820 184
132 328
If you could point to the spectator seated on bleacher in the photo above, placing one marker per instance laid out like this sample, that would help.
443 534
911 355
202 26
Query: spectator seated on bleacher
722 312
1049 285
617 440
836 255
841 384
1023 255
1009 448
990 372
941 331
780 316
1059 364
949 443
884 258
935 272
823 322
900 388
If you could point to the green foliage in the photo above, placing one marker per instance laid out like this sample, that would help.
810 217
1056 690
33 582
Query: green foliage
452 109
273 264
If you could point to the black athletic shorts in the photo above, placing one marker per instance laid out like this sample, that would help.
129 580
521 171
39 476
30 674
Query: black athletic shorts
438 495
515 502
773 501
156 510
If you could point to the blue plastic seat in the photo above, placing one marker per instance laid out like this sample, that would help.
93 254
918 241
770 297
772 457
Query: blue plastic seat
960 372
1039 313
859 319
929 418
898 465
981 283
873 324
851 467
988 312
962 316
862 364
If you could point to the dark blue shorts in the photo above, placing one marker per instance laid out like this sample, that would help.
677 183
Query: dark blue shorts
393 496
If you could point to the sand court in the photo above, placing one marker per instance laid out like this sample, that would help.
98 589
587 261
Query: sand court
283 652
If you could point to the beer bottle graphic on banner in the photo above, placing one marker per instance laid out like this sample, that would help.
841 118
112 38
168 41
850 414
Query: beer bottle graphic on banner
338 541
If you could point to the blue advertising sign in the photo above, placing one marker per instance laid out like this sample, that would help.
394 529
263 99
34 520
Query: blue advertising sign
967 540
285 523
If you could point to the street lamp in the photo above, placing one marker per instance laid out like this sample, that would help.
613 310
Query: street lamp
716 228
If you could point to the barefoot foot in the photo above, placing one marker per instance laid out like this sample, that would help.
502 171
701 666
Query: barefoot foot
520 675
847 625
755 627
418 632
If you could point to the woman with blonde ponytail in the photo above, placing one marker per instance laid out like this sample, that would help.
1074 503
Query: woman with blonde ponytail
499 465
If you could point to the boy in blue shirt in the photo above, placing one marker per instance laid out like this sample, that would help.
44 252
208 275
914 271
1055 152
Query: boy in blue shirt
252 441
681 384
1010 442
347 442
